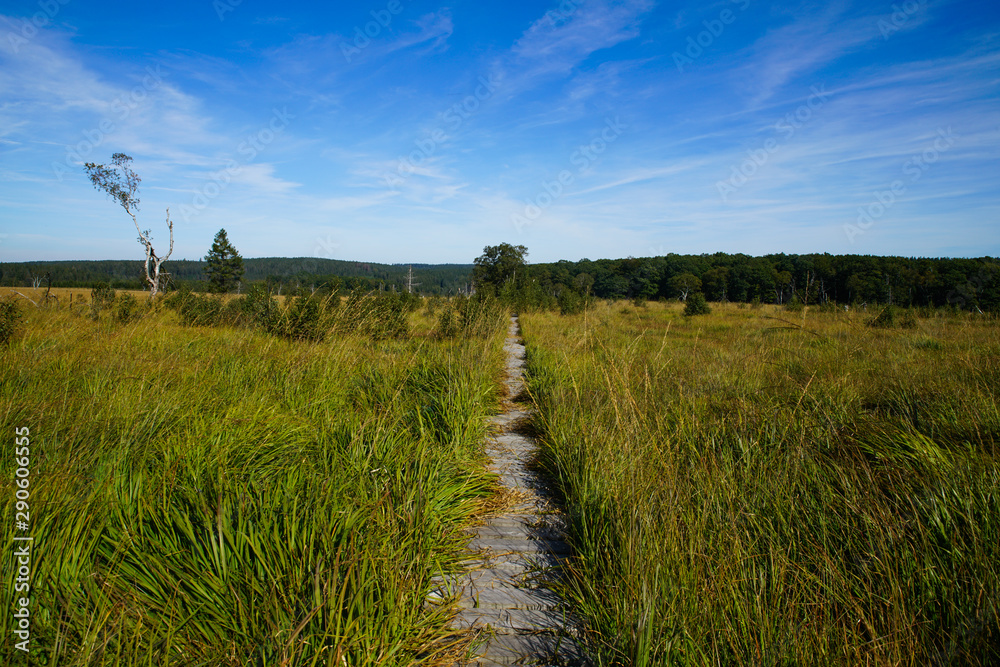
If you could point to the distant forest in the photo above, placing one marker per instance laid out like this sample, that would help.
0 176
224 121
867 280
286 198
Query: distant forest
813 279
971 284
283 273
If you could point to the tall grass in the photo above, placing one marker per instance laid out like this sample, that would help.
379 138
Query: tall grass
747 489
220 496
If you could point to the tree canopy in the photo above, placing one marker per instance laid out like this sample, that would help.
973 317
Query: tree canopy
498 267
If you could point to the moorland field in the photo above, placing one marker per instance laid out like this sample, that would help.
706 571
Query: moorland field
760 486
225 496
278 482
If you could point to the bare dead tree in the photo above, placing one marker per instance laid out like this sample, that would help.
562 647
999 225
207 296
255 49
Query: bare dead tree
409 281
122 184
24 297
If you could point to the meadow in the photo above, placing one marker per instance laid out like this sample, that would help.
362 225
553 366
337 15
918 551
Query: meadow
219 495
248 481
765 487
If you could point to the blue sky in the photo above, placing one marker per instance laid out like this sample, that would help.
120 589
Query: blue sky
411 131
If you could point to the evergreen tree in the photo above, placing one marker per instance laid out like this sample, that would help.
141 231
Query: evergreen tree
225 266
696 305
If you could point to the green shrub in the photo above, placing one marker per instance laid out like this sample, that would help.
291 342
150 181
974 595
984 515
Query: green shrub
570 302
127 309
696 305
175 298
304 318
478 315
197 310
892 317
10 321
102 298
795 305
411 302
259 309
379 316
389 319
447 325
432 304
928 344
356 312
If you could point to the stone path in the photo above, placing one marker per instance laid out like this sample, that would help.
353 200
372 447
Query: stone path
513 551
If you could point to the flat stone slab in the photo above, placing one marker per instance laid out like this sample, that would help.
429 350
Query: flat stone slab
512 568
502 546
542 649
511 621
518 531
521 481
506 462
534 526
514 441
511 598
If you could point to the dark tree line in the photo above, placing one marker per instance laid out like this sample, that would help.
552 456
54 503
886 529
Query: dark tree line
811 279
969 284
282 272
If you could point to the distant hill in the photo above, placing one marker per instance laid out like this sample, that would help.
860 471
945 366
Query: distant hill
427 278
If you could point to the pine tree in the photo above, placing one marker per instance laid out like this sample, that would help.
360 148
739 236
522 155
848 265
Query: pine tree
225 266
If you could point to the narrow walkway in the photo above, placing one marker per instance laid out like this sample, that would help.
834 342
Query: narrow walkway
514 550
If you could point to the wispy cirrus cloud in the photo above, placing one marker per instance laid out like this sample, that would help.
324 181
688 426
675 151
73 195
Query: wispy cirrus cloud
433 31
553 47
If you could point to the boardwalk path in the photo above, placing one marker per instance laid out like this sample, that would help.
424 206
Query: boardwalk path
516 548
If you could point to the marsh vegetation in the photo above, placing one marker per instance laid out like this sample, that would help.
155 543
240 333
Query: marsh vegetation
220 495
230 480
764 487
